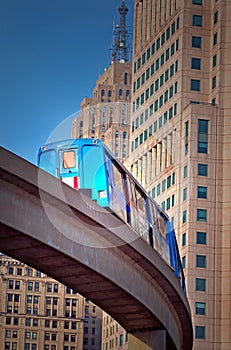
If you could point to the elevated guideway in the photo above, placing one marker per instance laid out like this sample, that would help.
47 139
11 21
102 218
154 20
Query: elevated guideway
61 232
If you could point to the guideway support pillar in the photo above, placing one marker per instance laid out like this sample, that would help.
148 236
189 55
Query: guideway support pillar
147 340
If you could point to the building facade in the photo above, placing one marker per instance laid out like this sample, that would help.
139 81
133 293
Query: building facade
180 143
39 313
113 335
107 114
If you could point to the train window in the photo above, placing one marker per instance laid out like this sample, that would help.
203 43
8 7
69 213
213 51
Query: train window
48 162
69 159
118 181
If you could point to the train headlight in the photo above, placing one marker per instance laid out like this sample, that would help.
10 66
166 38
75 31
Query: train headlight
102 194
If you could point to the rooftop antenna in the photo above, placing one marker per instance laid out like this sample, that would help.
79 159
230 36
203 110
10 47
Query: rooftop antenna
120 50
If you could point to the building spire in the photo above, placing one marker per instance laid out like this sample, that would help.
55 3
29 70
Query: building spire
120 36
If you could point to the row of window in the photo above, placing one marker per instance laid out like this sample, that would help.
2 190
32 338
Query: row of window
121 92
34 322
200 217
201 238
33 286
172 111
157 44
158 103
12 270
164 185
156 65
32 346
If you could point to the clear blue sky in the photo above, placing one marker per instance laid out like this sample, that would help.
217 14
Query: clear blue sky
52 53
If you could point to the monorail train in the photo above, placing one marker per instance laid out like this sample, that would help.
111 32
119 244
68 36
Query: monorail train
89 164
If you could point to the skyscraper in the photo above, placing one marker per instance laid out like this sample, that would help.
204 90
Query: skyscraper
180 143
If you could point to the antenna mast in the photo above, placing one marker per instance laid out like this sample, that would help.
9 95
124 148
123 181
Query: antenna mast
120 42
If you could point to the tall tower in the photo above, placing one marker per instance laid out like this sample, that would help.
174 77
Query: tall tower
120 44
180 144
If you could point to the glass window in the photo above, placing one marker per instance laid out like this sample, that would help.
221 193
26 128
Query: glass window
215 39
197 20
185 171
201 284
10 270
203 169
184 239
167 54
200 261
200 332
214 60
195 85
197 2
214 82
215 17
184 194
200 308
202 215
201 192
184 216
196 63
196 41
202 146
201 237
183 262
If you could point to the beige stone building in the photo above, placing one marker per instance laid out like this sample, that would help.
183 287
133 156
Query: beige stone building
181 144
113 335
107 114
39 313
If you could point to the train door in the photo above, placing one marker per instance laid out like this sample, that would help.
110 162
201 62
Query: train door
68 167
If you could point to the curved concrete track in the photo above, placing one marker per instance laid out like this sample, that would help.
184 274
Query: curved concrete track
61 232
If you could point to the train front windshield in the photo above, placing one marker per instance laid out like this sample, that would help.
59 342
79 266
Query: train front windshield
48 162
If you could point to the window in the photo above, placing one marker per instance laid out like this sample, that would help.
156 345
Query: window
17 285
184 216
201 192
203 169
184 194
167 54
195 85
214 60
201 238
183 262
215 39
196 41
215 17
197 21
121 340
200 261
201 284
184 239
196 63
19 271
200 332
202 136
186 137
185 172
200 308
202 215
197 2
214 82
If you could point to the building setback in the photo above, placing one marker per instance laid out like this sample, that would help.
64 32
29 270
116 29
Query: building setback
181 143
107 115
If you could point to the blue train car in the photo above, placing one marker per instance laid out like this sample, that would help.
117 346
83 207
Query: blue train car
89 164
